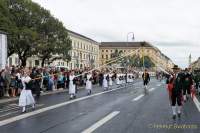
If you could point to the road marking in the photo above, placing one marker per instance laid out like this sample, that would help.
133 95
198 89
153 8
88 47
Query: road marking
196 103
17 118
13 112
152 89
159 85
101 122
137 98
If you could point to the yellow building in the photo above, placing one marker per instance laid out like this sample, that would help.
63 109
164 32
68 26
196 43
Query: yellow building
107 48
195 64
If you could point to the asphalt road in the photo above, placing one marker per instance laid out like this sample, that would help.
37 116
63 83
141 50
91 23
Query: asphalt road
120 110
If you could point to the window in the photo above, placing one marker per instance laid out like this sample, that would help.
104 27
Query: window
102 56
106 56
10 61
37 62
102 50
106 50
111 51
16 61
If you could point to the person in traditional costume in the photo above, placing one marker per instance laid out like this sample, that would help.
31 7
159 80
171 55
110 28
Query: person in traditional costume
110 80
146 79
72 85
175 91
26 97
187 85
105 81
89 83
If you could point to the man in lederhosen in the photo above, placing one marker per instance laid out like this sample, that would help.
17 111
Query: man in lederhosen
187 85
176 82
146 79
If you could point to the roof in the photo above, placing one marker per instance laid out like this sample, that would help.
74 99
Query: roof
125 44
72 32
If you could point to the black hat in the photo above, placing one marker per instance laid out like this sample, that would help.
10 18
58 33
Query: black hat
175 67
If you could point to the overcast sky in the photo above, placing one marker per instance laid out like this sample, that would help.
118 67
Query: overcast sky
171 25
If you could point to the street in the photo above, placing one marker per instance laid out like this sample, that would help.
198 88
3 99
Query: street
120 110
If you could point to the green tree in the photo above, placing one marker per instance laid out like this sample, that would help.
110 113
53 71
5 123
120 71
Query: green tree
54 41
32 30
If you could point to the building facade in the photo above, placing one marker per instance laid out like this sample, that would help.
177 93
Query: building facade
195 64
134 48
84 53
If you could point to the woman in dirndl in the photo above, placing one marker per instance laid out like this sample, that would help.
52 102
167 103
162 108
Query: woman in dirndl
26 96
89 83
105 81
110 80
72 85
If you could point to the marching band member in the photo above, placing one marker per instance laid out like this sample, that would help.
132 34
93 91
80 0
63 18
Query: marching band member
72 85
26 97
89 83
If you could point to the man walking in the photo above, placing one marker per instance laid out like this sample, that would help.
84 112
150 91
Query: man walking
146 79
176 83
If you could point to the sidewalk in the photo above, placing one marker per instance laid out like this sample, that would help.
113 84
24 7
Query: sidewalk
6 100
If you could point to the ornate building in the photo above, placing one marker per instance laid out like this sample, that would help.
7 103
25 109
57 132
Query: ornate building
195 64
141 48
84 53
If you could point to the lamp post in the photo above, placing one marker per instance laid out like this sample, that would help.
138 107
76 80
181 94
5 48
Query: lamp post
142 44
127 60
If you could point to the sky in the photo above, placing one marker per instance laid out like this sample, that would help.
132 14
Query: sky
171 25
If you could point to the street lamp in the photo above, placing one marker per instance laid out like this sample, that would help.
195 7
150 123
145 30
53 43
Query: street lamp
127 60
142 44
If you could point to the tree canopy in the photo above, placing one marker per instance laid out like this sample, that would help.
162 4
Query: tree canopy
32 30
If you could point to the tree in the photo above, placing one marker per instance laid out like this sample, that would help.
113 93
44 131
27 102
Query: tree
32 30
54 41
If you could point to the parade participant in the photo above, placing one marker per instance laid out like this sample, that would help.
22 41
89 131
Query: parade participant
129 77
175 88
187 84
89 83
105 81
38 80
101 79
72 85
117 78
26 97
110 80
146 79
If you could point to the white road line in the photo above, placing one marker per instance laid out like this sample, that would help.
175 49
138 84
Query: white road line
159 85
16 118
197 103
10 113
152 89
101 122
137 98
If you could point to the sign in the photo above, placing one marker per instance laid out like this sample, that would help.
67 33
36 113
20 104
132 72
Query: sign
3 50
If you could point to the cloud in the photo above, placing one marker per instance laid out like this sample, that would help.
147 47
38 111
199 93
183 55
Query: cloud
171 25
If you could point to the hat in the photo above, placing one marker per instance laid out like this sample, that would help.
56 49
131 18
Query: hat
175 67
